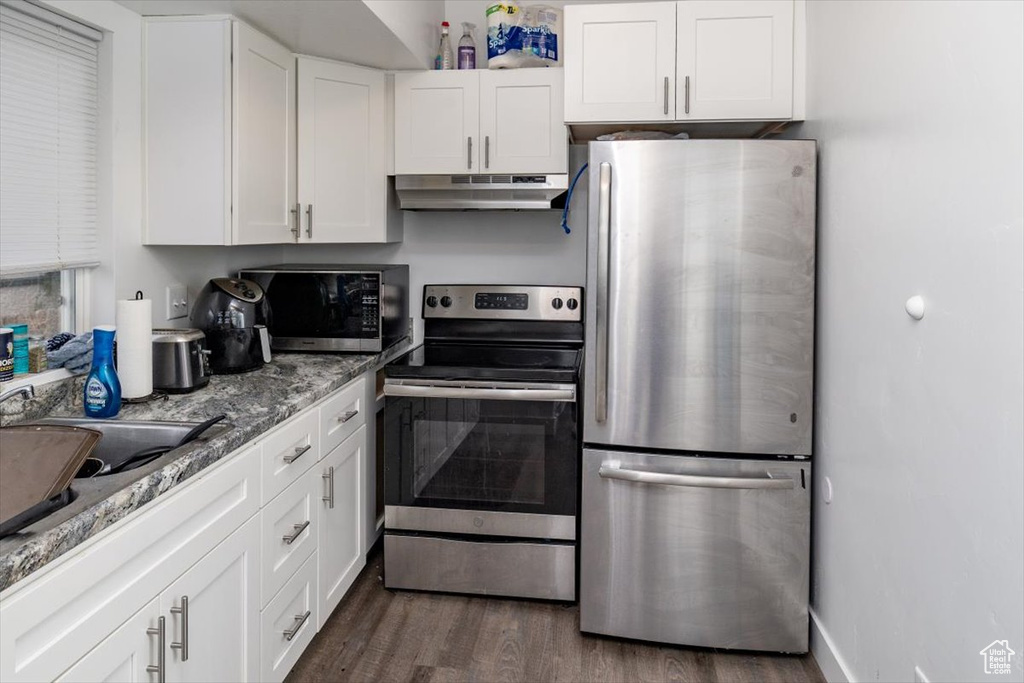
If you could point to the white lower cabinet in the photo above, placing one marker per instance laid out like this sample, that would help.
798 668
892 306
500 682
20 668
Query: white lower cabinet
341 555
126 654
200 563
289 623
213 629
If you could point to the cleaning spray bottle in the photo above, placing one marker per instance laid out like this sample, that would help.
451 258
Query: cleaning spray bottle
467 48
102 387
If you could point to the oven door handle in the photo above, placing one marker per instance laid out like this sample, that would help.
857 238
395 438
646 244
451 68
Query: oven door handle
562 394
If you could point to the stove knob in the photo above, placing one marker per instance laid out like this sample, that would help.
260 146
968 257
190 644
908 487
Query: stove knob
572 304
556 303
432 301
446 301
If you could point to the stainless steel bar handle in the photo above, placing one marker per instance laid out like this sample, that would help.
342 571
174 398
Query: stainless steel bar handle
469 152
183 645
299 452
329 498
686 97
297 228
309 221
666 95
604 218
487 151
300 619
299 528
160 668
568 395
696 480
347 416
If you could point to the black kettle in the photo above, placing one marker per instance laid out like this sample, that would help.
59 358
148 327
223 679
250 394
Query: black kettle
234 315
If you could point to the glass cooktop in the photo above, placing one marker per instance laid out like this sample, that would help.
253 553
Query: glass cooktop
468 361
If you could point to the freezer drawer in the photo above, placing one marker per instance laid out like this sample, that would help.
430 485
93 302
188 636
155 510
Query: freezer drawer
695 551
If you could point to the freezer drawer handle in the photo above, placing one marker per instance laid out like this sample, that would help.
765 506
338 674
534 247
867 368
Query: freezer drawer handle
769 481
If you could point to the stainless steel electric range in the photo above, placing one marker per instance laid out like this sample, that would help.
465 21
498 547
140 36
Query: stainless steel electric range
482 444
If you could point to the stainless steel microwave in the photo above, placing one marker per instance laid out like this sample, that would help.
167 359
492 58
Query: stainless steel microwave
331 307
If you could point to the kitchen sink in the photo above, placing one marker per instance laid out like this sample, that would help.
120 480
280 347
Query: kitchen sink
124 439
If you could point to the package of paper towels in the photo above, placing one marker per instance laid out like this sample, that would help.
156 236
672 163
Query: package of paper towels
523 36
135 347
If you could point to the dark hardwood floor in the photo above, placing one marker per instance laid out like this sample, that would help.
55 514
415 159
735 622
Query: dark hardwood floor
380 635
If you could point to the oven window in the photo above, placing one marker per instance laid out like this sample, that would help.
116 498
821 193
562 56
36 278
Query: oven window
481 454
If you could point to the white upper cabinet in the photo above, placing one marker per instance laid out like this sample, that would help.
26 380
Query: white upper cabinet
343 184
480 121
692 60
521 121
620 62
264 139
219 126
735 59
437 122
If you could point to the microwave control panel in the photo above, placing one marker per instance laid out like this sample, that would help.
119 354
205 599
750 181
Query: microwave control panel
370 305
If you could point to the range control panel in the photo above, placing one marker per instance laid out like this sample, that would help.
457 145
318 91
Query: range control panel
503 302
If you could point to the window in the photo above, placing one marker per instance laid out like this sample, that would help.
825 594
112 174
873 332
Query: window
48 139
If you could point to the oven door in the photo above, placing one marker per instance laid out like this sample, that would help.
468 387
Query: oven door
494 458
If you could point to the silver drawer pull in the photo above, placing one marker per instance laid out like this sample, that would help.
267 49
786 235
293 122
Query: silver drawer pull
612 471
300 620
329 476
347 416
160 668
183 645
299 452
299 528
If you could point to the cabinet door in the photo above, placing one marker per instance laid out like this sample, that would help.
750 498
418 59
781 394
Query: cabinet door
521 121
620 62
737 58
263 156
340 553
437 122
125 654
221 624
341 161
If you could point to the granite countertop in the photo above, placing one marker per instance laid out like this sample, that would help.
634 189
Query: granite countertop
254 402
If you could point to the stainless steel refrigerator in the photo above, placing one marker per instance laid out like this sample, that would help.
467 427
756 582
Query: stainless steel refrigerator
695 513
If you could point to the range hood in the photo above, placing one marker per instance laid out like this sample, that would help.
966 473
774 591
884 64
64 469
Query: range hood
481 192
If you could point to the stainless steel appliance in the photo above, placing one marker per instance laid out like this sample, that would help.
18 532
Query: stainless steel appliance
481 192
180 360
482 444
233 314
695 510
332 307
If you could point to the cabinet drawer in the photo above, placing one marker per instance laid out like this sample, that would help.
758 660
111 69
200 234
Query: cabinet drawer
342 415
288 624
53 621
289 452
289 530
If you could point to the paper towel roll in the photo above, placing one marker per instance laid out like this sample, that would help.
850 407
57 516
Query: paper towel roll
135 347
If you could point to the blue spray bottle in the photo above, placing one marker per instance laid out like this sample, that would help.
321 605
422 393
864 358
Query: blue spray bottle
102 388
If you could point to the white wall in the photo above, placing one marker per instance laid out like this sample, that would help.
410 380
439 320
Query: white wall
919 560
127 265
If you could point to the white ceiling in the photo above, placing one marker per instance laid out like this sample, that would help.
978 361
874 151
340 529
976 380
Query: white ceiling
347 30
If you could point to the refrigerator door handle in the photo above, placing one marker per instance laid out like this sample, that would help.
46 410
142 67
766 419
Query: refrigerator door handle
604 210
612 470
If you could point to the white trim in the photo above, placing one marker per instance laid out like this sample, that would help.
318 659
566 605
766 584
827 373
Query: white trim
826 654
83 299
36 380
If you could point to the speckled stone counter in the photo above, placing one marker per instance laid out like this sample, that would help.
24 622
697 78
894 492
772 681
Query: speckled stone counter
254 402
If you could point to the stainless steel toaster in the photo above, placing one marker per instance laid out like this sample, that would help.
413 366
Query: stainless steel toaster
180 360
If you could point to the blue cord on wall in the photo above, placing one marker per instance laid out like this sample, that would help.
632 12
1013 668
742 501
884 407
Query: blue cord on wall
568 198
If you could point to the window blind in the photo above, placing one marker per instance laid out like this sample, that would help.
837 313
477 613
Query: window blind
48 120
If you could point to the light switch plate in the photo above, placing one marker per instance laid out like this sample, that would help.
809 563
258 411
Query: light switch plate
177 301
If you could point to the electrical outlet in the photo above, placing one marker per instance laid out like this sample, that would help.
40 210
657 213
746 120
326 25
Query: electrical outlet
919 676
177 301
